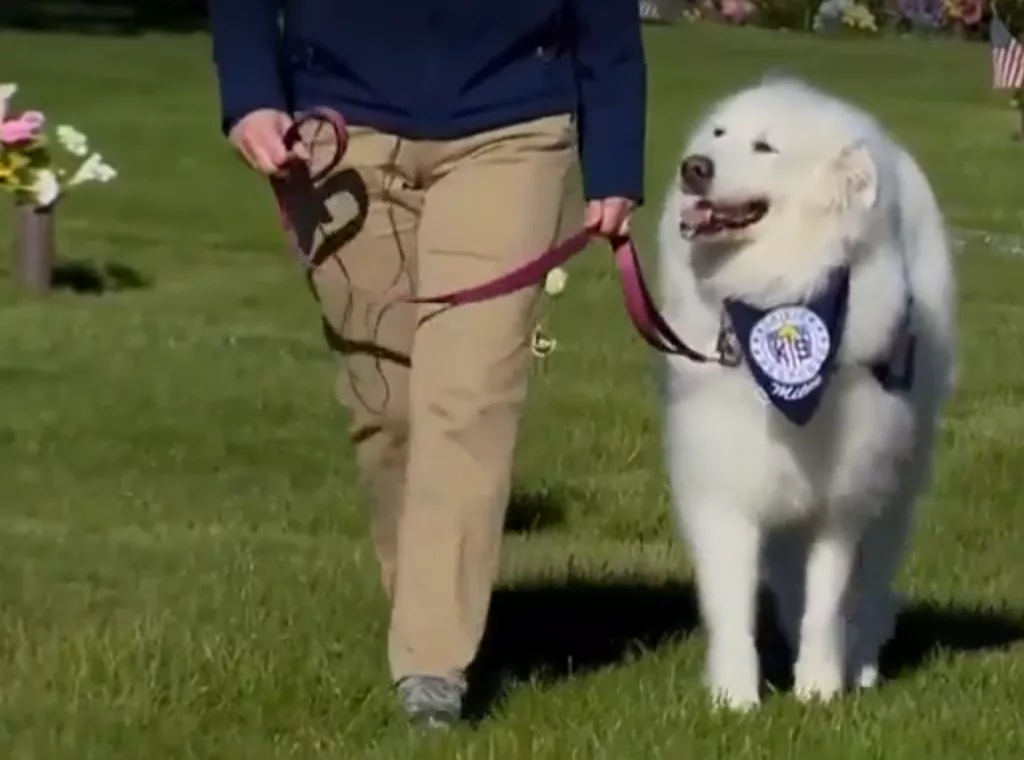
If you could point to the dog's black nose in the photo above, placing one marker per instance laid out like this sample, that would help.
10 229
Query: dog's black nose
696 173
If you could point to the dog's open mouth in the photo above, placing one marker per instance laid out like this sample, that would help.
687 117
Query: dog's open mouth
707 217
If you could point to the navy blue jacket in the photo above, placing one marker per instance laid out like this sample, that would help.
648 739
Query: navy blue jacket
443 69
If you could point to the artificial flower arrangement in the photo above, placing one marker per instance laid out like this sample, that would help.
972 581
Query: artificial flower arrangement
736 11
858 16
28 168
728 11
965 12
834 14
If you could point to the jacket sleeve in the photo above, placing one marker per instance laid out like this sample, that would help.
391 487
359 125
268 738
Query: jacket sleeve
247 55
611 77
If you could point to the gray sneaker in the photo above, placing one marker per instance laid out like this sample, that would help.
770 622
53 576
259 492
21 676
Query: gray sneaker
431 701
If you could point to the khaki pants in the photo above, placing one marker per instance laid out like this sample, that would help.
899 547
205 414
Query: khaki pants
435 404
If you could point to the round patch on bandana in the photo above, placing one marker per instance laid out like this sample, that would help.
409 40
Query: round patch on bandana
790 344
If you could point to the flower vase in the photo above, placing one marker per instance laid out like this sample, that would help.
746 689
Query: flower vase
959 30
34 247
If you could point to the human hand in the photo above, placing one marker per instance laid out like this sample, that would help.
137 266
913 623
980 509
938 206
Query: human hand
259 139
609 216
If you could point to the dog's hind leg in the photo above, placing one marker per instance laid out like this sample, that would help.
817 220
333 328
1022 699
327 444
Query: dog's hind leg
880 555
725 544
876 605
785 559
820 668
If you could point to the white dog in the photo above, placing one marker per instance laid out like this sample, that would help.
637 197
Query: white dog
803 252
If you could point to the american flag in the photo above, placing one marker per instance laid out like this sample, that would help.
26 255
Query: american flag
1007 57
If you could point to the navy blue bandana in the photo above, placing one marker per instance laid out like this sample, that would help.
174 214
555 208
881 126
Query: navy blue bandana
790 349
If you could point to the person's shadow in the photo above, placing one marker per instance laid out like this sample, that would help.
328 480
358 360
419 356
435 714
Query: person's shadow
549 632
538 510
90 278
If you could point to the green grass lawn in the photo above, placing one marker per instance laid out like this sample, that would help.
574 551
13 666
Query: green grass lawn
184 570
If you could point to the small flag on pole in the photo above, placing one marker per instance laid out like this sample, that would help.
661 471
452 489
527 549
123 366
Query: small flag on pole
1007 57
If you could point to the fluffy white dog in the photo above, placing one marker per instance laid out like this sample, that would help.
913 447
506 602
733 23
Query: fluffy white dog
803 252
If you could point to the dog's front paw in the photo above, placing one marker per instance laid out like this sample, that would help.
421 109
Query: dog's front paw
733 676
735 699
818 676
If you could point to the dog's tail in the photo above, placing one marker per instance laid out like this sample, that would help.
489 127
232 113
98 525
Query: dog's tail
932 283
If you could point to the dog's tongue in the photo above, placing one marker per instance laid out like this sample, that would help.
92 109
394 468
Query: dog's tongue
696 215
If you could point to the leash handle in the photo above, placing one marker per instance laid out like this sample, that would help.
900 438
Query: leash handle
298 180
335 121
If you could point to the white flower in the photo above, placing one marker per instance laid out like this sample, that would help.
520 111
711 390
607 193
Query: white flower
554 283
46 188
93 169
7 91
73 141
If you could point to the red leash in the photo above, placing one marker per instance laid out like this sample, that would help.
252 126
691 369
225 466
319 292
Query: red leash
640 304
299 182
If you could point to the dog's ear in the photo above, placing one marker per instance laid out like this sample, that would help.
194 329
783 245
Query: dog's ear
857 173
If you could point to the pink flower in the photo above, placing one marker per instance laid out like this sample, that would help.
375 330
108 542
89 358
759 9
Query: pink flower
736 10
22 128
971 11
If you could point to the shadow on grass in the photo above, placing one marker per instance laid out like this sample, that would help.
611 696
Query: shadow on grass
538 509
926 629
125 17
553 632
88 278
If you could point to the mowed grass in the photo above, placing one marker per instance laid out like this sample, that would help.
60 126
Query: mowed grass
184 569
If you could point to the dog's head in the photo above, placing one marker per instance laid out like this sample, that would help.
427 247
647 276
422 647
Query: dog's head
777 163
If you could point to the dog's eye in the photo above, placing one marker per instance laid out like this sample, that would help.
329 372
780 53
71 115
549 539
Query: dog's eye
760 146
717 132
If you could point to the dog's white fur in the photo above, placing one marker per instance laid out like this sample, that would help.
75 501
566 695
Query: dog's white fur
821 513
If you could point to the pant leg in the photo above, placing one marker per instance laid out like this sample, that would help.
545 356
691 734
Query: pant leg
361 229
494 200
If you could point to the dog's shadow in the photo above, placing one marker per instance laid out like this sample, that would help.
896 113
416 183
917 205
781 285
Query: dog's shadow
550 632
926 629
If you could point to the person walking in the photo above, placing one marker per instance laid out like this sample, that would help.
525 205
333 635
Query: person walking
466 121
